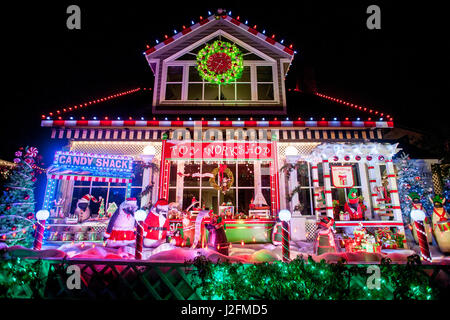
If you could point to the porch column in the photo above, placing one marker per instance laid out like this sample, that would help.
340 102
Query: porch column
164 174
372 186
315 176
293 183
146 181
393 192
274 179
327 191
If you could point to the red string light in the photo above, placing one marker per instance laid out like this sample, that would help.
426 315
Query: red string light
389 118
120 94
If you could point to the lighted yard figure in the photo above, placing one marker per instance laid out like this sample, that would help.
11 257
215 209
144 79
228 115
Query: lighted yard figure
41 217
420 235
140 216
325 239
120 230
441 223
353 206
157 224
82 210
417 213
217 239
285 216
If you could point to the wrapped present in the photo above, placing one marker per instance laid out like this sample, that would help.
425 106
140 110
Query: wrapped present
389 244
344 216
399 239
383 234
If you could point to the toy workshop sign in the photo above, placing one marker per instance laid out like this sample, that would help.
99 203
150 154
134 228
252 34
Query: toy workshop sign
93 161
342 176
220 150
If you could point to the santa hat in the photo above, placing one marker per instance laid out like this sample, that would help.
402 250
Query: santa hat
161 202
88 197
131 201
326 222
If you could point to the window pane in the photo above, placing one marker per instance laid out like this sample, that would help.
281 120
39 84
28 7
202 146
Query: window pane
194 76
190 181
304 200
302 174
245 75
246 175
266 195
211 91
195 91
209 199
82 183
244 198
173 174
229 196
174 74
116 195
97 193
227 92
78 193
244 92
265 175
172 195
135 193
264 73
138 172
173 92
187 196
265 91
207 168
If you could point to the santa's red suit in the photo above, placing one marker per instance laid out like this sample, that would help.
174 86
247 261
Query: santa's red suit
156 225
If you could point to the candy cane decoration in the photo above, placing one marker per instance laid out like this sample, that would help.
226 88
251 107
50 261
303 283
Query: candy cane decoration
423 241
285 241
39 235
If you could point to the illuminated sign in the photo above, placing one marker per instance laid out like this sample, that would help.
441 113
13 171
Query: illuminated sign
217 150
342 176
89 161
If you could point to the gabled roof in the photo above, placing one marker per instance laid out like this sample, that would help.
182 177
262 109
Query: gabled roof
235 23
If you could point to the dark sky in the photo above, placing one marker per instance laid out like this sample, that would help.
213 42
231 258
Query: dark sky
401 69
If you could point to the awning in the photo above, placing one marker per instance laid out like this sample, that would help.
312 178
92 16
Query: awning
89 178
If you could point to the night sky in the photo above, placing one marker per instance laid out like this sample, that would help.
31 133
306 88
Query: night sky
401 69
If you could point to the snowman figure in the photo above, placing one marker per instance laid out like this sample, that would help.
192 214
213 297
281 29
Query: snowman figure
121 226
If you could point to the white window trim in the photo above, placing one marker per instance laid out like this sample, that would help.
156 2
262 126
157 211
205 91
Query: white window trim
253 81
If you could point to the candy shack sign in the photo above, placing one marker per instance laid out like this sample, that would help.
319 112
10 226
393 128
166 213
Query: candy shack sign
182 150
97 162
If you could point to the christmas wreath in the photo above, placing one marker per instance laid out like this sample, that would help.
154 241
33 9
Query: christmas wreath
225 183
220 62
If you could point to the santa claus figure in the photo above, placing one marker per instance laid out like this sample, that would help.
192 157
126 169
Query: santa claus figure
121 227
353 206
156 225
82 210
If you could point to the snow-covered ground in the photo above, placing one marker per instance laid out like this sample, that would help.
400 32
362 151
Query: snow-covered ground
250 253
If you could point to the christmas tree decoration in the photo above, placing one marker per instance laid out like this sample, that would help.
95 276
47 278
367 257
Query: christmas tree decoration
220 62
17 201
101 209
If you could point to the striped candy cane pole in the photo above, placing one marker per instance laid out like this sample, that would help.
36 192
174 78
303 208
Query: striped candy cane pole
327 185
285 241
315 176
139 240
423 241
39 235
373 185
